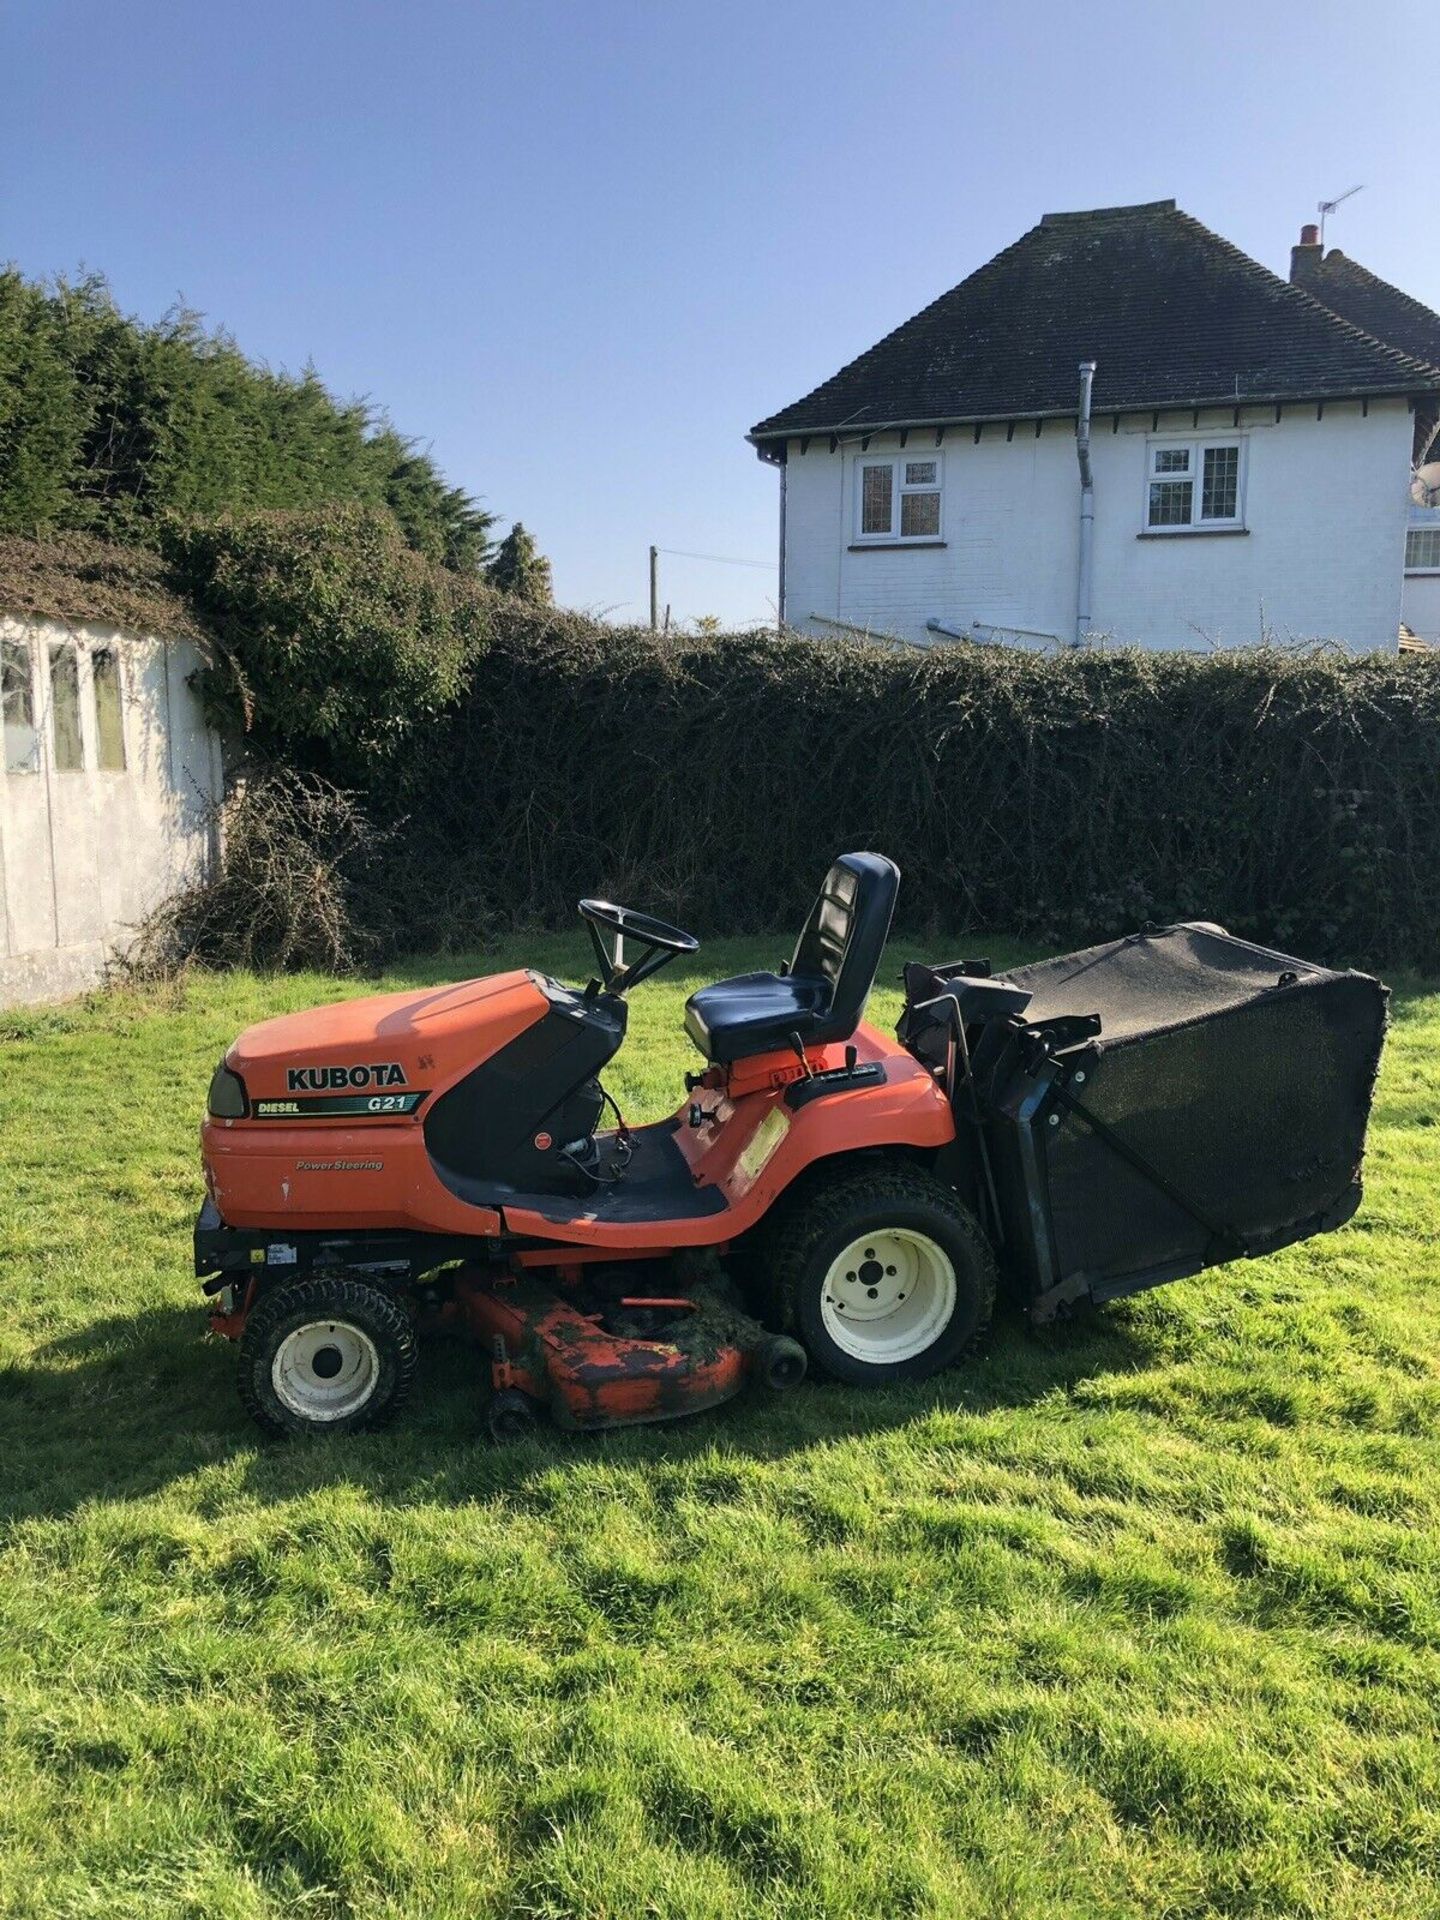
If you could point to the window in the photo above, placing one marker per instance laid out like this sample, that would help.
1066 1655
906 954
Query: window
65 708
1422 550
109 714
876 513
17 706
899 499
1193 485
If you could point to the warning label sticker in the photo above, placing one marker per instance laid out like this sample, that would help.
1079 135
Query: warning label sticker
762 1145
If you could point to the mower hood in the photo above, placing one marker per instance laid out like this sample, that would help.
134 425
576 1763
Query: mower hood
393 1048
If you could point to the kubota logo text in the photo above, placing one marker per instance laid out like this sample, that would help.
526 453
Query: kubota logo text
331 1079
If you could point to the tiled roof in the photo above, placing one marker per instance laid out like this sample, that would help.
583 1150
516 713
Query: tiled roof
1367 301
1172 314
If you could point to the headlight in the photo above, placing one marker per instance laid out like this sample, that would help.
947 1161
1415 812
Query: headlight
227 1095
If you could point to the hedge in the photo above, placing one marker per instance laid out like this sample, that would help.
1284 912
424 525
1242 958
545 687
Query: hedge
514 757
1295 797
108 424
335 643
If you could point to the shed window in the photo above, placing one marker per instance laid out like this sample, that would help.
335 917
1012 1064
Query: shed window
1194 484
899 499
109 714
17 706
1422 550
65 708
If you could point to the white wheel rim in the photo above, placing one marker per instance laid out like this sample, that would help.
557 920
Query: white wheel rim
889 1296
325 1370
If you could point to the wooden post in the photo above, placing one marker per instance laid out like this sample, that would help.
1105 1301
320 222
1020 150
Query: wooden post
654 589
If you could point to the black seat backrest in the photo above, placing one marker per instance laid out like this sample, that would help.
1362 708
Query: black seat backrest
843 939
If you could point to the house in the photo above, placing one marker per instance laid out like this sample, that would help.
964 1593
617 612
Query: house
1383 311
110 773
1123 427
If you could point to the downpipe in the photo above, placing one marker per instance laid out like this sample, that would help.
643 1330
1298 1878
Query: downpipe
1085 569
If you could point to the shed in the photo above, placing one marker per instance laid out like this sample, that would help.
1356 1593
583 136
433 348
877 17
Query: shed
110 774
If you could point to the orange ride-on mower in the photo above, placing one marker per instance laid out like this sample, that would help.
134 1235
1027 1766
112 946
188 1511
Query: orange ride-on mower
1089 1126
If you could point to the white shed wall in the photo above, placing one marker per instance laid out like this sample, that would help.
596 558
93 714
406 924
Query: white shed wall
1323 557
85 855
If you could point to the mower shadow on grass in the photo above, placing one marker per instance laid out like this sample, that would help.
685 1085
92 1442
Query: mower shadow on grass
127 1406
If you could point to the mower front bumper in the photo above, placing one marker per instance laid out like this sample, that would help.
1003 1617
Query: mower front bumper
222 1249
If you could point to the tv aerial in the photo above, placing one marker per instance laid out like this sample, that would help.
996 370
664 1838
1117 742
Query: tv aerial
1327 207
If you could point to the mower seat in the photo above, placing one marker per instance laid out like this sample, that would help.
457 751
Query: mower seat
822 996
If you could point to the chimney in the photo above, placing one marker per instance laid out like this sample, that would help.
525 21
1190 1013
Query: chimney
1306 257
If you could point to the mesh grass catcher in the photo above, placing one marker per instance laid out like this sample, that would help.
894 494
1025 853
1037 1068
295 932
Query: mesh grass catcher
1147 1108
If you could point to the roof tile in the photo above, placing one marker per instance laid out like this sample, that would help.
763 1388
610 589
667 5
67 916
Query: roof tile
1367 301
1173 314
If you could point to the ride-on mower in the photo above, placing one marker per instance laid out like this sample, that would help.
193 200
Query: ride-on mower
1089 1126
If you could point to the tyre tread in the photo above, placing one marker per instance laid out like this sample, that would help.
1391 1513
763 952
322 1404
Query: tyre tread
322 1294
800 1221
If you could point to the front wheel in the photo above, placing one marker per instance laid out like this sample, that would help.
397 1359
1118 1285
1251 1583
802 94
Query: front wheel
883 1273
327 1355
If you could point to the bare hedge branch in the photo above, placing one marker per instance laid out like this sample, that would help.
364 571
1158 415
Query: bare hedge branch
297 888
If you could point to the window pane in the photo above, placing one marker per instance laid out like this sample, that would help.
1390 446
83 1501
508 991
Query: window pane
875 499
1220 493
17 700
920 473
65 708
919 515
1170 503
109 717
1422 547
1172 460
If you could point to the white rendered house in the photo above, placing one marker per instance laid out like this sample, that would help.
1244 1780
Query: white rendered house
1248 453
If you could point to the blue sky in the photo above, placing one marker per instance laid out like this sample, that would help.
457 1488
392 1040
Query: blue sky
579 248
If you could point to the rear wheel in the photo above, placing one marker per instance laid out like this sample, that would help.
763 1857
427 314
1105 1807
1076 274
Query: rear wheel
883 1273
328 1355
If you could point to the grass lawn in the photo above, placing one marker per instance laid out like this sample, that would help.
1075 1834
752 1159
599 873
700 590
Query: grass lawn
1138 1616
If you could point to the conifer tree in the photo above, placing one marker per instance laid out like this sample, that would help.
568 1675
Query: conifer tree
108 424
520 568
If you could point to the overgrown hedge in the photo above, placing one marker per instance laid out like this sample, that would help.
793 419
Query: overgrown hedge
515 757
337 648
1292 797
108 424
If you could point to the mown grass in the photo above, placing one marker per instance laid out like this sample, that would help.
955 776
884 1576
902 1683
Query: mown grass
1134 1617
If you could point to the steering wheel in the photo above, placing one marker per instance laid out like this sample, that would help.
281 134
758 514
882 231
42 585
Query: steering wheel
660 943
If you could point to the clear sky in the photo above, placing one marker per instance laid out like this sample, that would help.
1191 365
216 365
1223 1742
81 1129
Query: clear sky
579 249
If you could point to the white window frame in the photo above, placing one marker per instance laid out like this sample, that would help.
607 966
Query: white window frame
34 758
932 456
1421 526
1196 444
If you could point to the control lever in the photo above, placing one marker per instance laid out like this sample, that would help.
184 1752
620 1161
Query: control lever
798 1047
